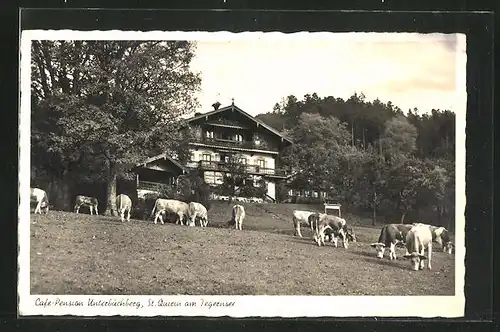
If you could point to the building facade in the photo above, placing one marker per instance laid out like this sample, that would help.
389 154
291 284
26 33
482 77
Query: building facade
217 137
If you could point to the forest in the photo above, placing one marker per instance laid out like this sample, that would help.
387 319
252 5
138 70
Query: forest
370 156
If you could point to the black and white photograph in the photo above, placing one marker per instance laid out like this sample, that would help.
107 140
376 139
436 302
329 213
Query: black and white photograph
242 174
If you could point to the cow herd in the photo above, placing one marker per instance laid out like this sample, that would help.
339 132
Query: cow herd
416 238
184 213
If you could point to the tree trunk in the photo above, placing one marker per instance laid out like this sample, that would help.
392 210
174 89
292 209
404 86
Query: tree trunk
364 139
439 210
403 217
374 205
352 133
111 190
59 194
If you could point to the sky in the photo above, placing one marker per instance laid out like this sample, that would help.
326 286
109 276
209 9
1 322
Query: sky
425 71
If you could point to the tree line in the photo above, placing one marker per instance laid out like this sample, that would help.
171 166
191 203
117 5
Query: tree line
370 156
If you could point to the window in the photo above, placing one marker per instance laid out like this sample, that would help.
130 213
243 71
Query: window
193 156
209 134
243 161
261 163
207 157
256 139
238 138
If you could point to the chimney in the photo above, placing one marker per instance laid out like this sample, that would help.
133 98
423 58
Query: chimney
216 105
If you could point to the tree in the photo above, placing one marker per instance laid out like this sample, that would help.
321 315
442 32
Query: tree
114 101
234 175
407 176
374 181
399 137
315 155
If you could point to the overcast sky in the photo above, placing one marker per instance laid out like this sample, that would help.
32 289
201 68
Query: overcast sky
411 70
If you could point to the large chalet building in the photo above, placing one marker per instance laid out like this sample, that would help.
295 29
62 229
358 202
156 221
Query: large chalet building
218 135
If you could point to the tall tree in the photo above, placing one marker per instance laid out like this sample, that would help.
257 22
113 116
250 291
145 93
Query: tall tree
115 101
234 175
399 137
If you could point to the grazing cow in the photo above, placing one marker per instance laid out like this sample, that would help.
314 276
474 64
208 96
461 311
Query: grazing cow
348 231
170 205
301 217
418 239
441 236
390 236
238 216
195 210
40 197
321 222
91 202
123 205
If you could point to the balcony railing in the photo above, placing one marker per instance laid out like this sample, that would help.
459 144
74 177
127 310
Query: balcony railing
227 143
154 186
224 167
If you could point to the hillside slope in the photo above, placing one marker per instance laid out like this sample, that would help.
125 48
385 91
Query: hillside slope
84 254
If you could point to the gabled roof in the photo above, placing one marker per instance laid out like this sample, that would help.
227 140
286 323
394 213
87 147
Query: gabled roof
166 157
236 108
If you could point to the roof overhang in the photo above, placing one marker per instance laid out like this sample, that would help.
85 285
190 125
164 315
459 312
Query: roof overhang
163 156
239 110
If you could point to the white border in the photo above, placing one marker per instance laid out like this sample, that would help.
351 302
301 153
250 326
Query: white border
244 306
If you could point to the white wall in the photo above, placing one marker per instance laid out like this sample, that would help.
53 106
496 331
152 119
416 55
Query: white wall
271 189
251 160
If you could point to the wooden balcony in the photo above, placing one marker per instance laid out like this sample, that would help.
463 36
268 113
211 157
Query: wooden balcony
154 186
232 144
224 167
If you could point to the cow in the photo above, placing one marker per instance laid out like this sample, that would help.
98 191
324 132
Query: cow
418 239
91 202
123 205
348 231
170 205
238 216
42 201
195 210
301 217
441 236
390 236
321 222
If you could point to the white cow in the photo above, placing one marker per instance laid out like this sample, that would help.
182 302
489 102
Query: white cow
40 197
91 202
123 205
170 205
441 236
195 210
238 216
322 223
418 239
301 217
